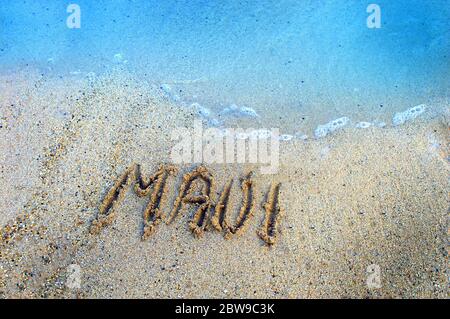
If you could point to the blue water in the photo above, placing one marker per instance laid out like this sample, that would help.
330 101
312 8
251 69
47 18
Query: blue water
302 56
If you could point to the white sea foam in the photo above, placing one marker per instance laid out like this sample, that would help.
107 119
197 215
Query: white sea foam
380 124
301 136
286 137
234 110
201 110
364 124
248 111
408 115
214 122
118 58
167 89
330 127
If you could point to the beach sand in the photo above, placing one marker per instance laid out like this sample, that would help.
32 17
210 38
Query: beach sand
359 198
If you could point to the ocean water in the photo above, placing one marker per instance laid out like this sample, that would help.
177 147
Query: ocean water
304 60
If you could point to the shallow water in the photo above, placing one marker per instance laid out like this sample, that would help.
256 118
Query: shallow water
313 60
370 191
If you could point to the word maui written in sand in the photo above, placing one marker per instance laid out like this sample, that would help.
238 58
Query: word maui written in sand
195 191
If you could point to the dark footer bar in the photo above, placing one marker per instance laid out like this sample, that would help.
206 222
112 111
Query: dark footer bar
217 308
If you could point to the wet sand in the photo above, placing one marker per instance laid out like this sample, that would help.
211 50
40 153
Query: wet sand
356 198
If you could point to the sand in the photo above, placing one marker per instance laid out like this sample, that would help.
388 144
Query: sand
352 200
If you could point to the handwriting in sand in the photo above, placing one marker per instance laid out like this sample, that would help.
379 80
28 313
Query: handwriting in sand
195 190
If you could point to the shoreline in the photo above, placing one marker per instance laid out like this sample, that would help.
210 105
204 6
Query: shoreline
353 199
